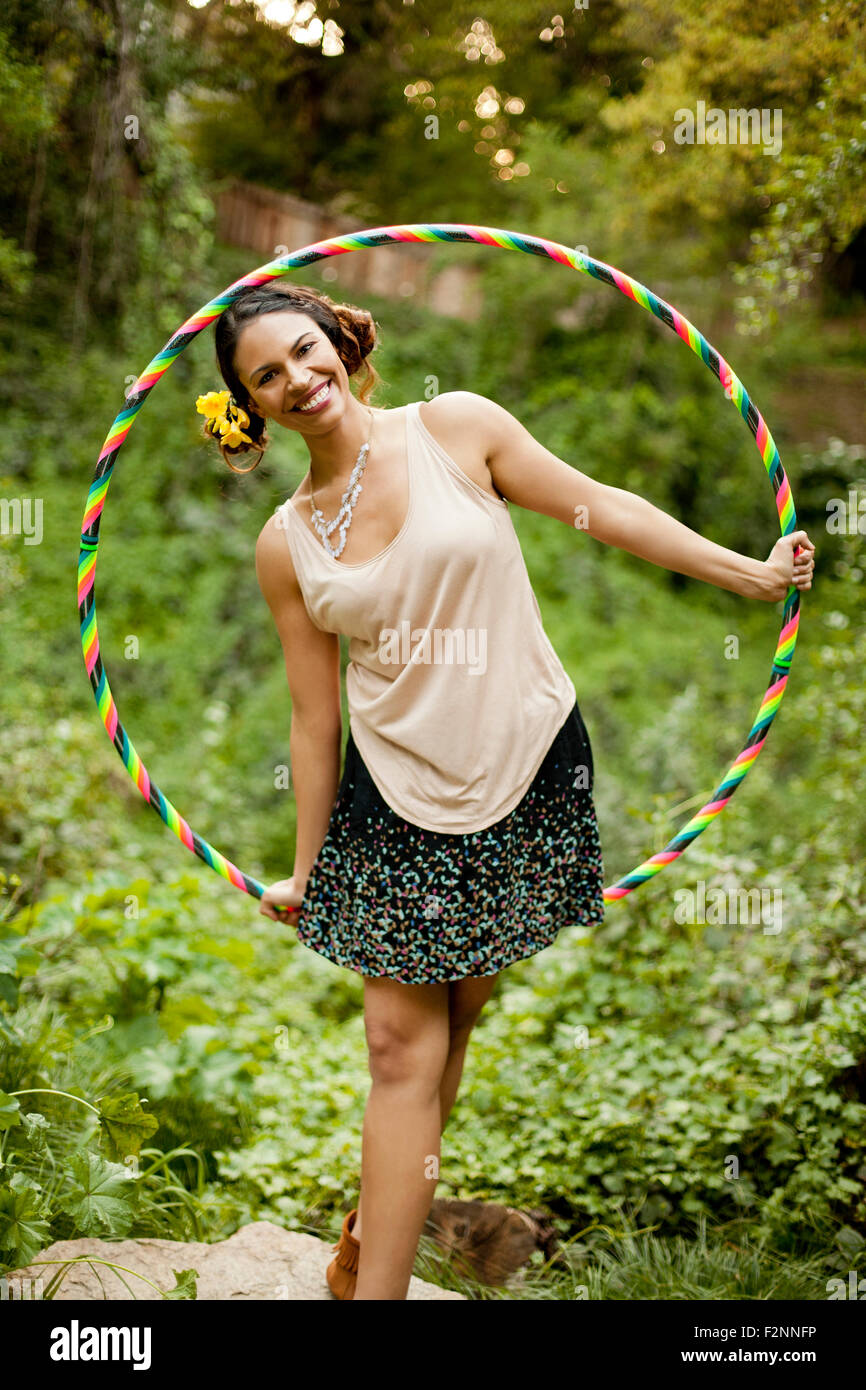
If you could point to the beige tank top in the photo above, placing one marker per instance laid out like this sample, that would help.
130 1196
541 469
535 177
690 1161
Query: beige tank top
455 692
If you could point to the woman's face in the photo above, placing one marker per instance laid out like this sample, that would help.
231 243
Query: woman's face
284 359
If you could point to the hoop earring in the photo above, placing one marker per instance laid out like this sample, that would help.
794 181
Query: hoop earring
251 467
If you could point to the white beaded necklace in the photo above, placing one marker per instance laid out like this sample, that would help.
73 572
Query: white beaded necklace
347 504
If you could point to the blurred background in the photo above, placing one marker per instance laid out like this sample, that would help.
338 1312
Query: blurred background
154 151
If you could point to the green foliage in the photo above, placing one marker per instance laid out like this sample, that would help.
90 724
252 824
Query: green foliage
125 1125
627 1261
94 173
95 1193
816 205
23 1227
24 118
770 214
100 1196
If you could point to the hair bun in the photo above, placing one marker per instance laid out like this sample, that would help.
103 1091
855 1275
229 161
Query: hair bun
359 333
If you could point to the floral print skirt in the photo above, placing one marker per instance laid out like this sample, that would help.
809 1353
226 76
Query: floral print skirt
386 897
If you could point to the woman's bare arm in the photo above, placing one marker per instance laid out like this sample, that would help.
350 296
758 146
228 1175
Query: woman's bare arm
313 671
528 474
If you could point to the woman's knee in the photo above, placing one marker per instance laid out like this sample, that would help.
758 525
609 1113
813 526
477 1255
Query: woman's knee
397 1061
407 1034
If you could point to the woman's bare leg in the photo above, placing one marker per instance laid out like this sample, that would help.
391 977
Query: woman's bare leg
407 1040
466 999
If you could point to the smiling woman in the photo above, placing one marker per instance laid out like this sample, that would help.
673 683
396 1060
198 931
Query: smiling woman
261 386
462 836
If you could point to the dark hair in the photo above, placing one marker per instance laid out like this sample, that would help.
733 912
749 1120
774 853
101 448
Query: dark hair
351 330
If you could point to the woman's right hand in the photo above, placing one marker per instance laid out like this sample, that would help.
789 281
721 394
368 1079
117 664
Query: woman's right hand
786 568
284 892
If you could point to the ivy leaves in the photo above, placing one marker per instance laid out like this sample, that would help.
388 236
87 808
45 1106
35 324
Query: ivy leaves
98 1192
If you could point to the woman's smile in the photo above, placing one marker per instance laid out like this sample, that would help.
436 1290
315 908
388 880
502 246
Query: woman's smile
313 404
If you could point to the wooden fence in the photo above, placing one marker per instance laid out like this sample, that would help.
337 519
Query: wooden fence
273 224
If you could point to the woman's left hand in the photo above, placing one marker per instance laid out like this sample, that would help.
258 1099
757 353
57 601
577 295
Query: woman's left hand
785 568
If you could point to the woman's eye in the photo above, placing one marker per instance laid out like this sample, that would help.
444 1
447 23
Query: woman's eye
305 348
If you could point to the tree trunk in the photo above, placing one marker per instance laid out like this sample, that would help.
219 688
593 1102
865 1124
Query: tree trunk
85 248
34 206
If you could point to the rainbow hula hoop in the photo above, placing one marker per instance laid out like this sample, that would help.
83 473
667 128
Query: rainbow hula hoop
384 236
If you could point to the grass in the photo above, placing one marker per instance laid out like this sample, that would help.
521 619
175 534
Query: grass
630 1264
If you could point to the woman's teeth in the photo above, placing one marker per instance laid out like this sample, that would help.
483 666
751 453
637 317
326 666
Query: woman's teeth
315 400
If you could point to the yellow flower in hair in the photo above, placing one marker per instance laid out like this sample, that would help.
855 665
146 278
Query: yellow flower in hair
224 417
231 427
233 436
234 418
213 404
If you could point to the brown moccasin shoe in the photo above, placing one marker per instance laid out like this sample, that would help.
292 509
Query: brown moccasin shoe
342 1272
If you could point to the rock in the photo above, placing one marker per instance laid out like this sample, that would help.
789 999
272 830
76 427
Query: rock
490 1241
260 1261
